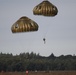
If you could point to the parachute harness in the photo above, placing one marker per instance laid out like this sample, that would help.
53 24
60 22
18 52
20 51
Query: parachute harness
44 40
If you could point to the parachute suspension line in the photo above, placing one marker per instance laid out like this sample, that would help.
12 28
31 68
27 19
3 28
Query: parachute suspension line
45 34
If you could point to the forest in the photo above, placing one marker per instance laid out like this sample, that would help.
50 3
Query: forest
36 62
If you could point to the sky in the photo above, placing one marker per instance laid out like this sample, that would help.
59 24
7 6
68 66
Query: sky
59 31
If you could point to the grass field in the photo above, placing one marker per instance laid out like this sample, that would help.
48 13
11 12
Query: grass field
40 73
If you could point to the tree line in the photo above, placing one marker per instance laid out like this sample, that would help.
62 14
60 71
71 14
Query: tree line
32 62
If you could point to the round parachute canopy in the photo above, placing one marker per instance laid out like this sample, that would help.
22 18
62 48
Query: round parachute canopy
24 24
45 8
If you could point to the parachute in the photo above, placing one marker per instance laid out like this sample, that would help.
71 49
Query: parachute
24 24
45 8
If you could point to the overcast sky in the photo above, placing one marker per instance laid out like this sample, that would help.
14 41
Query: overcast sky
59 31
